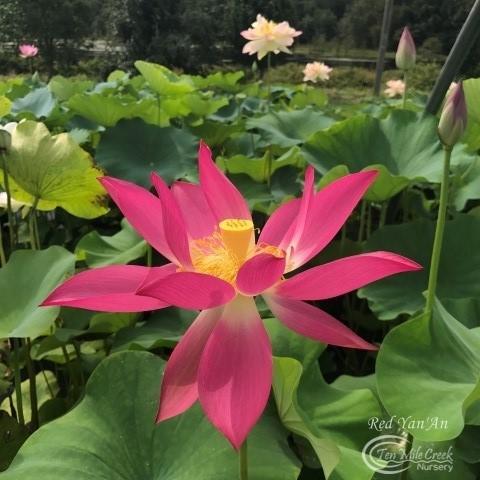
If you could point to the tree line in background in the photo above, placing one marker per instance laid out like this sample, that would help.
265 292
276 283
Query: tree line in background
194 34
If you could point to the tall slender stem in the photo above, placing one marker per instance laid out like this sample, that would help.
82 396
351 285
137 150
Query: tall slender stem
32 223
18 380
269 85
33 387
243 461
363 209
3 259
405 81
149 256
11 224
437 243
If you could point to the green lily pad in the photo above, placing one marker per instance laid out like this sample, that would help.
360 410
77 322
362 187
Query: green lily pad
112 434
333 420
164 81
5 106
106 110
54 170
459 273
472 97
257 168
435 364
404 147
227 81
64 88
288 128
132 150
100 250
25 281
39 102
12 436
164 328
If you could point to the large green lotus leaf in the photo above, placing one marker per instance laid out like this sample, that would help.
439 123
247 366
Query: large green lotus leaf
5 106
132 150
54 170
106 110
288 128
309 96
164 81
429 368
222 80
334 420
340 458
163 328
100 250
215 133
203 105
12 435
39 102
459 274
25 281
64 88
404 147
472 97
257 168
112 434
466 184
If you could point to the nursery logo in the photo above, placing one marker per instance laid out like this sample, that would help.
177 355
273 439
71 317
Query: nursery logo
392 454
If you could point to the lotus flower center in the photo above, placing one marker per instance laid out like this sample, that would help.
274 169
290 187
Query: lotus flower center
237 234
222 253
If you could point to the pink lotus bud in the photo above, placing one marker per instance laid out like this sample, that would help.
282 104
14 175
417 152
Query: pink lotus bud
406 52
453 120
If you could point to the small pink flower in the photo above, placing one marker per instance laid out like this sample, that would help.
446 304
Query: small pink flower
224 360
316 71
406 52
28 51
268 36
395 88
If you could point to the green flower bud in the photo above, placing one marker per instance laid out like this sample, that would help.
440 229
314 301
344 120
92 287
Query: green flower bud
453 120
406 52
5 141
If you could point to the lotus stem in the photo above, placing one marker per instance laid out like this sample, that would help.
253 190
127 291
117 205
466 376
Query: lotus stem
440 227
11 224
382 47
243 461
15 342
33 387
269 86
33 227
363 210
405 81
383 214
3 259
149 256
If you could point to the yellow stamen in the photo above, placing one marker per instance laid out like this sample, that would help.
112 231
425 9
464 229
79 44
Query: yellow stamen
237 234
211 256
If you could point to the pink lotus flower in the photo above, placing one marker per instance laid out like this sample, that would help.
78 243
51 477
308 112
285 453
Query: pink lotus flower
267 36
395 88
224 360
406 54
316 71
28 51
